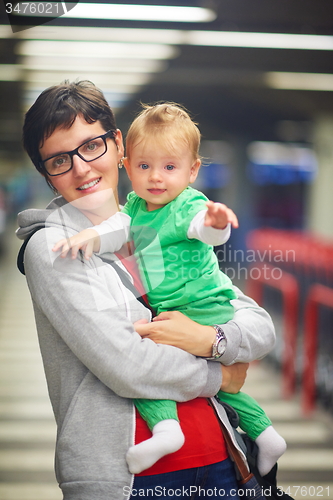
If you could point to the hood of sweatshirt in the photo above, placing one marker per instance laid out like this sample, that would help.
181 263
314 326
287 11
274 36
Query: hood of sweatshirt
57 213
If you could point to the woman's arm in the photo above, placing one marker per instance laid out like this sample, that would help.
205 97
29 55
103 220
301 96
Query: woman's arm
250 334
80 302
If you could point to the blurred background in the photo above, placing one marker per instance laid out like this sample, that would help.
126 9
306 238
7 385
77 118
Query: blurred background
257 76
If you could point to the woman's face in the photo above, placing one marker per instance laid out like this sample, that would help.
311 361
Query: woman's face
86 185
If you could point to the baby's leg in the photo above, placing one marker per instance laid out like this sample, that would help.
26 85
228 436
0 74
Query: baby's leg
254 421
162 419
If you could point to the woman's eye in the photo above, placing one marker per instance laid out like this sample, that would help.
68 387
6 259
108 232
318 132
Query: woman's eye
170 167
59 161
91 146
144 166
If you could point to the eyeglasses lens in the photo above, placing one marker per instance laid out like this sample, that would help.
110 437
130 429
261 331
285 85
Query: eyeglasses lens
58 164
92 150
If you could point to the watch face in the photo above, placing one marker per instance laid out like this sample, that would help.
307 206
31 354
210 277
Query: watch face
221 346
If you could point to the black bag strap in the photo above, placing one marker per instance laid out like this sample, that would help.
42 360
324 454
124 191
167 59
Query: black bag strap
20 256
125 280
121 273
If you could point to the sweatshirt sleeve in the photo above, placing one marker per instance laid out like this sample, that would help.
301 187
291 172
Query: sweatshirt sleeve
207 234
79 302
250 334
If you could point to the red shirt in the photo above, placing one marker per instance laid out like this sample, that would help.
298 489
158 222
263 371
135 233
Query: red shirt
204 441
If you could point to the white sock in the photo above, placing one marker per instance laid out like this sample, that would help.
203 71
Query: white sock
271 446
167 438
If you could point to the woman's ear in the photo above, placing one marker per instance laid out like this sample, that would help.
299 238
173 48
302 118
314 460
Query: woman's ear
195 170
118 138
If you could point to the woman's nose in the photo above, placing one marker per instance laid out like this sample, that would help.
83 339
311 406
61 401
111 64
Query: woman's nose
80 167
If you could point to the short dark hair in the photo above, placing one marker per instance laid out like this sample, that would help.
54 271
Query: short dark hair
58 106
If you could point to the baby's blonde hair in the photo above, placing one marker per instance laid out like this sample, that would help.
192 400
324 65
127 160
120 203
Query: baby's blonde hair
167 123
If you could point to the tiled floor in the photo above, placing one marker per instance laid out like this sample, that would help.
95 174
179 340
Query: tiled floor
306 469
27 429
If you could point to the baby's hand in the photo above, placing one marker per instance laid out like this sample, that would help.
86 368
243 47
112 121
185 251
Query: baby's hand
88 240
219 216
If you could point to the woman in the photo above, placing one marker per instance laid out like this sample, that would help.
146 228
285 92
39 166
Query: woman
95 362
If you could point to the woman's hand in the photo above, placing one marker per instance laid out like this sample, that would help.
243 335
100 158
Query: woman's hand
173 328
233 377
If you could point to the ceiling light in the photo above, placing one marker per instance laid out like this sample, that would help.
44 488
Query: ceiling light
48 32
259 40
100 79
183 37
299 81
127 12
96 49
10 72
56 63
141 12
5 31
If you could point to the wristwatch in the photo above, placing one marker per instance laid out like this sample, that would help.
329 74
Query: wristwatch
220 344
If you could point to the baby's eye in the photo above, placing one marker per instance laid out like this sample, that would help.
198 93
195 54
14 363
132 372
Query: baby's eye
170 167
144 166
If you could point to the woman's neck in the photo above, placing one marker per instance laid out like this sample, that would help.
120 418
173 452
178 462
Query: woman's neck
99 216
99 206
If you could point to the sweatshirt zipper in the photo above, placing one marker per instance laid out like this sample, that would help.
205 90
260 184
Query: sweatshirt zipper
133 442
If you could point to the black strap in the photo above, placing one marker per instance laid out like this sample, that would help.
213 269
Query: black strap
125 280
121 273
20 256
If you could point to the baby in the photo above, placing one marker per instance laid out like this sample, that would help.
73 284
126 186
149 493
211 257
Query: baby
162 147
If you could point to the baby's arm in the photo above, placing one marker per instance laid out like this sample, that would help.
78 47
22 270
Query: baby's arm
212 226
219 216
88 240
109 236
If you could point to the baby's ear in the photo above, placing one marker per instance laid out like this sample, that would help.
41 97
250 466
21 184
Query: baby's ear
127 166
195 170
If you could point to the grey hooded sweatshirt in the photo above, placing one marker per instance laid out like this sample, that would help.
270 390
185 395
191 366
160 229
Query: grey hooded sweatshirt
95 362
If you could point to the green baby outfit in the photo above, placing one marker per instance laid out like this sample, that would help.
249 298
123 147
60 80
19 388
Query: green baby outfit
183 274
178 273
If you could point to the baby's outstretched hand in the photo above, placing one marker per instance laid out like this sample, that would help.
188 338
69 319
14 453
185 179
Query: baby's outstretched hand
219 216
87 240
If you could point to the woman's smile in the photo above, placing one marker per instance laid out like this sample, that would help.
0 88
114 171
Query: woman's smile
88 186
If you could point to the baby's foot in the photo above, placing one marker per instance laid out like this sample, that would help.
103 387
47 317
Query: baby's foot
167 438
271 446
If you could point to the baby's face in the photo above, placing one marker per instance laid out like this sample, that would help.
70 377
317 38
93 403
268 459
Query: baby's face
158 175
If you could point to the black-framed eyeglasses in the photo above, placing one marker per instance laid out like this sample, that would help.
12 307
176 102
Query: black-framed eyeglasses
88 151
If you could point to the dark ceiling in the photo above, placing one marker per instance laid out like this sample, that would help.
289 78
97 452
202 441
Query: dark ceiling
221 85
